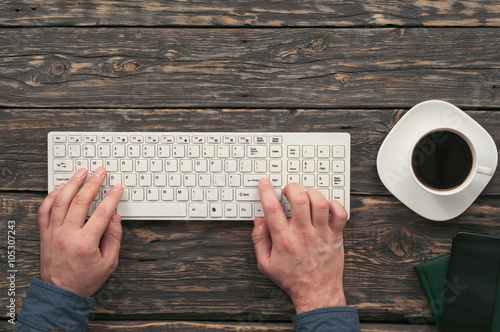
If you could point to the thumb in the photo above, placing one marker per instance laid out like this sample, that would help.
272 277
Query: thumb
111 239
261 238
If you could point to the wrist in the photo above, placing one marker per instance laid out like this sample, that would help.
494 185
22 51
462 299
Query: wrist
312 302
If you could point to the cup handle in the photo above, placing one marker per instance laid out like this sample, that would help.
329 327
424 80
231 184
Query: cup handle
485 170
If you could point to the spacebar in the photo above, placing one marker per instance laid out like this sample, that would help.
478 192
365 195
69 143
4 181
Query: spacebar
157 209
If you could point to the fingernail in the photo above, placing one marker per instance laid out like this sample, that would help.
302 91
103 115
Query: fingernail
116 219
257 222
60 186
117 187
81 172
99 171
264 181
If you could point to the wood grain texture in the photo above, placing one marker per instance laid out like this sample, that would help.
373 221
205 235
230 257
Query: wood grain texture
281 13
255 68
23 157
207 270
178 326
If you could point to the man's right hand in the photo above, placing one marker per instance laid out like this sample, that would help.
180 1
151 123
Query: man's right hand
303 255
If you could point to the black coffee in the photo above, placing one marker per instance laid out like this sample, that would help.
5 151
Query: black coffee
442 160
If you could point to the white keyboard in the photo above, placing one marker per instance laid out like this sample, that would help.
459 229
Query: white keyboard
202 175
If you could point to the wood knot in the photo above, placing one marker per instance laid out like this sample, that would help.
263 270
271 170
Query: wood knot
400 247
314 46
343 79
7 173
399 32
58 68
129 66
403 245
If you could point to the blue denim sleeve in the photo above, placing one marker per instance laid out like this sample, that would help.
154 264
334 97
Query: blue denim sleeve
49 307
338 319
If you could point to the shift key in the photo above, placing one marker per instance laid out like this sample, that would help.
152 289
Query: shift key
250 194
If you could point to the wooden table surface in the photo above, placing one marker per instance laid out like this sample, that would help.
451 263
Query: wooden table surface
310 65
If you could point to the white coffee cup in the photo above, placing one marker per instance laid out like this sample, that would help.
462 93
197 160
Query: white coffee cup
444 161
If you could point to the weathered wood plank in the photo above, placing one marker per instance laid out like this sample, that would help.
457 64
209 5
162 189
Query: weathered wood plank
292 68
23 157
239 13
207 270
177 326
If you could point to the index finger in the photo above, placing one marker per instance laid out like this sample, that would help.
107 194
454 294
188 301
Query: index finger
99 220
275 216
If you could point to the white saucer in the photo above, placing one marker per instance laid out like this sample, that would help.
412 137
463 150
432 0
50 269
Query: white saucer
394 160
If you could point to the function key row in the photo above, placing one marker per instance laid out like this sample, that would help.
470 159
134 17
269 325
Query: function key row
168 139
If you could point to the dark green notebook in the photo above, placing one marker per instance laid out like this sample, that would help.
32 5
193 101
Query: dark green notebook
433 276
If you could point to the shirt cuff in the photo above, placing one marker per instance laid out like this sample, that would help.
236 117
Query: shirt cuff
47 307
339 319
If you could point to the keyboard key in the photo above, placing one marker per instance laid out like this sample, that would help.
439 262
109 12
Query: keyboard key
257 151
293 151
323 180
338 180
152 194
308 151
105 139
61 178
114 179
150 209
338 166
137 195
229 139
59 150
323 151
338 151
208 151
75 139
63 165
293 166
216 210
247 194
230 210
167 194
74 150
251 180
152 139
118 151
59 139
338 195
90 139
121 138
198 210
245 210
276 139
136 139
258 210
160 180
275 151
130 180
213 139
